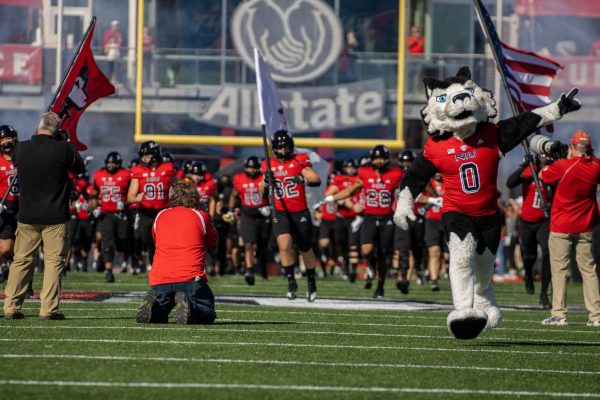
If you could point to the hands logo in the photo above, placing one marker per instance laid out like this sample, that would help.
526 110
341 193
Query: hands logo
300 39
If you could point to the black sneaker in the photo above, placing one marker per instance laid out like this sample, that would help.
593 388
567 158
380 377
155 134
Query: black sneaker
182 308
311 295
144 312
529 287
15 315
403 286
30 293
292 289
545 302
368 282
249 277
378 292
435 286
53 317
108 276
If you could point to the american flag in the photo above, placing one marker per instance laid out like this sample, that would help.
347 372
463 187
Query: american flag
527 74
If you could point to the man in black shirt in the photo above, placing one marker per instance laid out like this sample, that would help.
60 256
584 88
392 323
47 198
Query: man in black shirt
43 164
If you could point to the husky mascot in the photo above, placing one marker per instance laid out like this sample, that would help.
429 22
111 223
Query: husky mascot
466 149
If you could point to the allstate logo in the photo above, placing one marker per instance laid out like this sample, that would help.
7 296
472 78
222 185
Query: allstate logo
300 39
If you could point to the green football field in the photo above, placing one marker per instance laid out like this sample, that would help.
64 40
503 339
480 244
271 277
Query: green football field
295 350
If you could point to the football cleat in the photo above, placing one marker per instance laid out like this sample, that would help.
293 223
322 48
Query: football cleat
292 289
403 286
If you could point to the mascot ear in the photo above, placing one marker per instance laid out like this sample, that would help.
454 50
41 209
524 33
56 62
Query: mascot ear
430 84
464 73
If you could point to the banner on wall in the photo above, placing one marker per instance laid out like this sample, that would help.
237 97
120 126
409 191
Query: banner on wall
20 63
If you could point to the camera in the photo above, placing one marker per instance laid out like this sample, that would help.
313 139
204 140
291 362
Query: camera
547 148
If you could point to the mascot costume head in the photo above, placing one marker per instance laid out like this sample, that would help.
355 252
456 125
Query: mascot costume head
465 148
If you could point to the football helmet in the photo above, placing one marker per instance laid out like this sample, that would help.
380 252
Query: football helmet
150 148
113 158
283 145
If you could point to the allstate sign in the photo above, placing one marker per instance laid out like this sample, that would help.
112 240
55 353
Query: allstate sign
300 39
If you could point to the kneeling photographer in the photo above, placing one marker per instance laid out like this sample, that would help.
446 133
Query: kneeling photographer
574 216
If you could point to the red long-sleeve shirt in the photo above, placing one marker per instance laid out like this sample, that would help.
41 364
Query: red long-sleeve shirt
182 237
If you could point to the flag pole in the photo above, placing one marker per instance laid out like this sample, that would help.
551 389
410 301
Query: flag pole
513 106
269 173
58 89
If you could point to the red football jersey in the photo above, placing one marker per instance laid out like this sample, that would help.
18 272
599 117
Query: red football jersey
182 237
248 189
342 181
206 189
155 184
574 208
435 212
8 173
469 170
112 188
289 195
531 211
379 189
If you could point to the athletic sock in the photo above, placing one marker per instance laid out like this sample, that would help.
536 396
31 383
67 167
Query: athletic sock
310 274
289 272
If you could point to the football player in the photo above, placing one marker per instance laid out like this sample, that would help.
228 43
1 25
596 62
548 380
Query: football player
292 226
10 206
81 225
150 186
255 226
205 185
111 184
378 181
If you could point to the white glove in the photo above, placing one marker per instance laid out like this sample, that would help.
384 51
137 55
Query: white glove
328 199
435 201
356 223
2 208
265 211
78 205
120 205
404 209
228 217
96 213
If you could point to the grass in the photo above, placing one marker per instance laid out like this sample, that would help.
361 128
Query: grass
259 352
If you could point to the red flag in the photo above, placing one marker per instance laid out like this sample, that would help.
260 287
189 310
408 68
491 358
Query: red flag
83 84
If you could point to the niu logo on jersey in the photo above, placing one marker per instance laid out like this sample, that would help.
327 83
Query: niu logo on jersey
465 156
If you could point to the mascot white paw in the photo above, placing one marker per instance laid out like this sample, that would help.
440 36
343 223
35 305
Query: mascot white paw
404 209
467 323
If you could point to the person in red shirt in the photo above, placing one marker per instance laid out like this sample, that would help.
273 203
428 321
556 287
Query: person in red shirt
255 224
327 215
378 182
292 225
81 227
183 235
346 238
111 185
415 42
574 216
534 227
150 186
10 205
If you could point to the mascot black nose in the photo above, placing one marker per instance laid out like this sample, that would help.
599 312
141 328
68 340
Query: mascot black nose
460 96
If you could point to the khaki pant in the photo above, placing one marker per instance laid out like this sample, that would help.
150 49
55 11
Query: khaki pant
560 245
55 245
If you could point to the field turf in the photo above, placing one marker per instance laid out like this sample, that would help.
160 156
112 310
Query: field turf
261 352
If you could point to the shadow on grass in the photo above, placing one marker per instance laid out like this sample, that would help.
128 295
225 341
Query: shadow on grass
535 344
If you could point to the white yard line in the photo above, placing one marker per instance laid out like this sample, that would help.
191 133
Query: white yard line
304 388
429 349
299 363
216 328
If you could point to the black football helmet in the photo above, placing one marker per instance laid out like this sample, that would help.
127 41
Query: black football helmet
380 151
113 158
198 168
252 162
186 165
364 160
350 163
150 148
406 156
168 157
283 145
133 162
7 131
